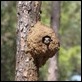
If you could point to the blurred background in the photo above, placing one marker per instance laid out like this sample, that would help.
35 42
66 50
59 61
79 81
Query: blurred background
69 59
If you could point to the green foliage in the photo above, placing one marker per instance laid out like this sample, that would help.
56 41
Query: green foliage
45 16
69 62
43 73
70 32
70 25
8 44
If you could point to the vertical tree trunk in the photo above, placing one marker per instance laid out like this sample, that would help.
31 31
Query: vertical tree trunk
28 14
55 20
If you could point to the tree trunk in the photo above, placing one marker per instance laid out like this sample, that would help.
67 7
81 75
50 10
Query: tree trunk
28 14
55 20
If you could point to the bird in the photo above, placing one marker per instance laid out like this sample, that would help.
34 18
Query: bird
46 40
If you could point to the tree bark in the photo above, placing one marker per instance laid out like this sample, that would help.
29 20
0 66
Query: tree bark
55 21
28 13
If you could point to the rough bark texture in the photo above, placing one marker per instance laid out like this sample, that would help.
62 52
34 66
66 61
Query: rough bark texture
28 14
55 18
